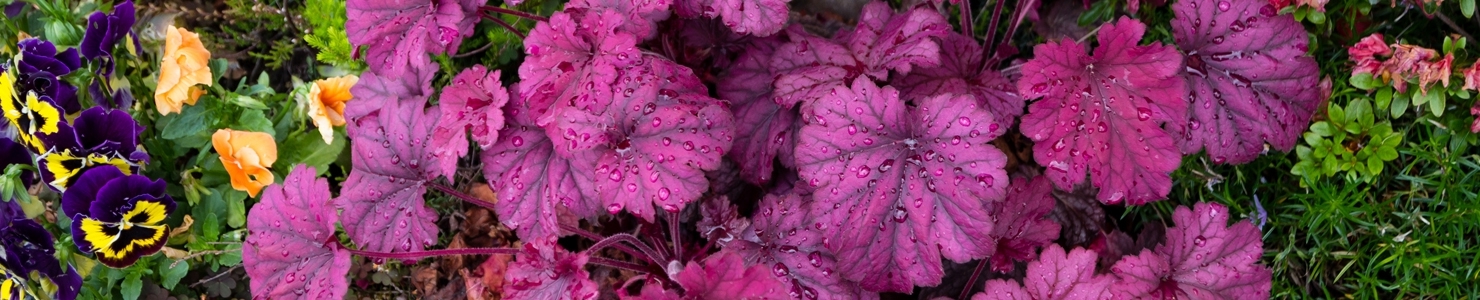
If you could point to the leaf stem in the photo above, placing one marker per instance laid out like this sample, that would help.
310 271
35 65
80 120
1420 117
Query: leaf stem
465 197
966 291
597 237
967 26
647 252
501 22
430 253
674 232
490 8
618 264
991 42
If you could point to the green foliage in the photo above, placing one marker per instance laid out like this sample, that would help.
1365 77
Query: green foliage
327 33
1349 141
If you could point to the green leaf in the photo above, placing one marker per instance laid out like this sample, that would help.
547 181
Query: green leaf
1467 7
218 70
190 121
1437 103
170 276
255 120
210 227
1384 98
1364 81
1320 129
1358 113
230 258
236 207
308 148
132 286
1400 105
1316 17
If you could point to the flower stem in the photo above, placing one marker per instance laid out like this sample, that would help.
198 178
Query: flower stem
488 8
465 197
647 252
675 233
430 253
967 26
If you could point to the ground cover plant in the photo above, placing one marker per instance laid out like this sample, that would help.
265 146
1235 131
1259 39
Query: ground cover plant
749 149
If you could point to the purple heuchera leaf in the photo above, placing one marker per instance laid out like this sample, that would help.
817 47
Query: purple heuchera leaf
382 199
1251 82
472 102
291 252
961 72
1055 275
637 17
808 67
1101 114
377 90
783 238
570 55
400 33
545 271
754 17
914 180
1022 222
886 41
1203 257
725 275
656 140
533 182
771 128
1080 217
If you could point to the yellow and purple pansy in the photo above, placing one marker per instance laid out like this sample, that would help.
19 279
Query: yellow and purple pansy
30 115
99 137
28 248
118 217
40 68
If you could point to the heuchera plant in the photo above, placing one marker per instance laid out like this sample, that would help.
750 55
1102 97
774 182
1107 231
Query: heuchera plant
873 151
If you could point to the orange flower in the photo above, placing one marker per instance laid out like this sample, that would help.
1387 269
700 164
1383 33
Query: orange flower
246 155
185 64
326 100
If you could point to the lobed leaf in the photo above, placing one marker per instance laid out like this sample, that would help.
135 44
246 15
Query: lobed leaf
533 182
961 72
291 251
747 84
1249 77
473 102
1203 257
400 33
546 271
1023 224
914 180
1055 275
382 200
1101 114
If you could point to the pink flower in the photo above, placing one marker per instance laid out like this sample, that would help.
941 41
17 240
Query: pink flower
1365 53
1472 78
1429 72
1405 63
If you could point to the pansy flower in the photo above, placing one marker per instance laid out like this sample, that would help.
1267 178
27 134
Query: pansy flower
326 100
185 63
118 217
105 30
27 248
99 137
246 156
40 69
31 115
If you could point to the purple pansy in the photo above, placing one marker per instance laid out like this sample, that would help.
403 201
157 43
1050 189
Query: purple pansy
118 217
29 247
98 137
104 31
41 68
12 153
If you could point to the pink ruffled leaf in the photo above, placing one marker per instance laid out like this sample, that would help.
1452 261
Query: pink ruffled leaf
725 275
1251 82
885 41
808 67
568 56
782 236
1101 114
747 84
290 252
1054 275
378 90
637 17
960 72
382 198
914 180
473 103
753 17
533 182
1023 224
545 271
400 33
1203 257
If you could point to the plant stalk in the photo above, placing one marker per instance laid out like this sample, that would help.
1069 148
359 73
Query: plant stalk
430 253
966 291
465 197
496 9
